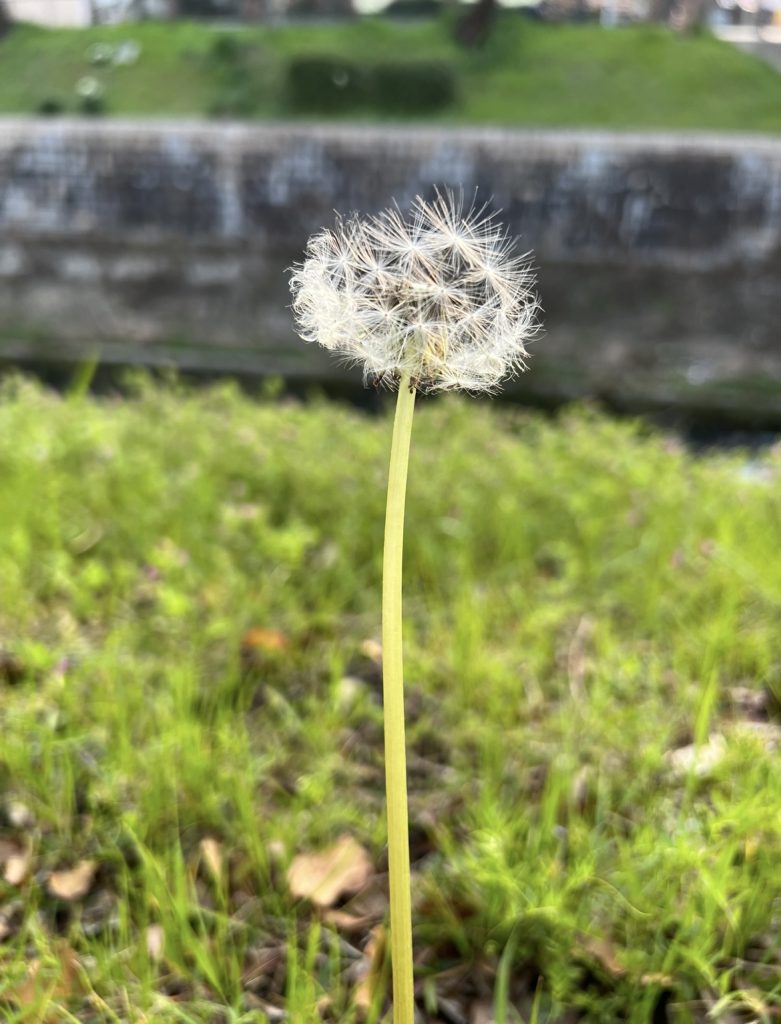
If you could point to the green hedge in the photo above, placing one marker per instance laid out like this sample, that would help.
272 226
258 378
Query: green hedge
321 84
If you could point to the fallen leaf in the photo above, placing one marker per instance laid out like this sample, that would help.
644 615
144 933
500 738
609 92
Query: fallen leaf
63 983
482 1012
372 649
604 953
73 883
211 852
341 870
261 638
17 867
19 815
365 991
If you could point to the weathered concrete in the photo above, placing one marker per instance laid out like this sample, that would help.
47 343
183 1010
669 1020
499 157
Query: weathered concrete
659 256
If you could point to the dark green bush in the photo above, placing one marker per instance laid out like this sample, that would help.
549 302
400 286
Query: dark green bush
51 106
413 87
318 84
225 48
92 106
326 84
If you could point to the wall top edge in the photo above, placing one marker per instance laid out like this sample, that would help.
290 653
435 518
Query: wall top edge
25 130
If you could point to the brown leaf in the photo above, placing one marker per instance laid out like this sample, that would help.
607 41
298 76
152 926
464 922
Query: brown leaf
363 911
481 1012
211 853
62 983
373 957
262 638
341 870
17 867
604 953
73 883
372 649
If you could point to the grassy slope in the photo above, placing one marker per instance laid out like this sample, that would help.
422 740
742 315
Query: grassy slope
581 599
528 74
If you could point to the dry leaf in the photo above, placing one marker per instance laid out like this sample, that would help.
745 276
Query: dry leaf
73 883
341 870
19 815
373 956
481 1012
211 852
62 986
155 941
372 649
261 638
604 953
17 867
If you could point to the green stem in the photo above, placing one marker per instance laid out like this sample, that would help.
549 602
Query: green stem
393 713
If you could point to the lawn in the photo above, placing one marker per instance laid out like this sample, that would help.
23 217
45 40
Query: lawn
189 702
527 74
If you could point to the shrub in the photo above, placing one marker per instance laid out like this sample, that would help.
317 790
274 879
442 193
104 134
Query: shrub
320 84
225 48
92 106
326 84
412 87
51 106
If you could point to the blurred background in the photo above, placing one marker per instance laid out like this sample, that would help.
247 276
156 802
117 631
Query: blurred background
162 163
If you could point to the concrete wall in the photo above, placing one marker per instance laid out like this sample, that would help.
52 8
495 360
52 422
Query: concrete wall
659 256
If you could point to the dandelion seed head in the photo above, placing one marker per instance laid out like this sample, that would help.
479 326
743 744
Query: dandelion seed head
441 294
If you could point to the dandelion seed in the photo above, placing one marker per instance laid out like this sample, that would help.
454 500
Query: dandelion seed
441 295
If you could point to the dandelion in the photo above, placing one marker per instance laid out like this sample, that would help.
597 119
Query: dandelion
437 301
442 297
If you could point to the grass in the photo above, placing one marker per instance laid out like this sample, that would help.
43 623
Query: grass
528 74
187 585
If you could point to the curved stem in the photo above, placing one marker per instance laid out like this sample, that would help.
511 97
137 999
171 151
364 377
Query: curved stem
393 712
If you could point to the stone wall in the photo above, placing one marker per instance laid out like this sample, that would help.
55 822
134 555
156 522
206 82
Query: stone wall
659 256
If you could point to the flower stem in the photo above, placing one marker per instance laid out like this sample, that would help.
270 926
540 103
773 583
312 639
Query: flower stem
393 703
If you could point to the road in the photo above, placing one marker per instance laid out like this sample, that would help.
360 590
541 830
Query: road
764 43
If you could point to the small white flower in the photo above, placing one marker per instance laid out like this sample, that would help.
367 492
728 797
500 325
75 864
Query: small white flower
442 296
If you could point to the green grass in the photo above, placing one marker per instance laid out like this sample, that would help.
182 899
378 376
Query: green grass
583 597
528 74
